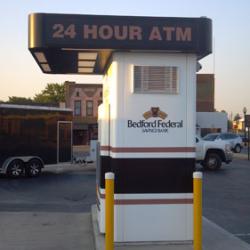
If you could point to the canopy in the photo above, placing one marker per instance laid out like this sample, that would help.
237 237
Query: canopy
83 44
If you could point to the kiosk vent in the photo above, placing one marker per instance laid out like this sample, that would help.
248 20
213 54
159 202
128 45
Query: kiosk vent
156 79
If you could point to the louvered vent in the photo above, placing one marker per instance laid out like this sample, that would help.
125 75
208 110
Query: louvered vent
154 79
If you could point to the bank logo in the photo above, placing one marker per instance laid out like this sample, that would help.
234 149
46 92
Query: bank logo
155 112
161 125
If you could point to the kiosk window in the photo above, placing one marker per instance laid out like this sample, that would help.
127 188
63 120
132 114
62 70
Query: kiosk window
156 79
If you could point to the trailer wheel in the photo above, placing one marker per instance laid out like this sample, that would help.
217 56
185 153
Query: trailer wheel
33 168
16 169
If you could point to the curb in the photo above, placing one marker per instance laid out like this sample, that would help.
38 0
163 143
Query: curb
99 240
217 238
241 156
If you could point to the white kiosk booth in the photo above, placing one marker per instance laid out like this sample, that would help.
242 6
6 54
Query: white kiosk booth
147 120
147 131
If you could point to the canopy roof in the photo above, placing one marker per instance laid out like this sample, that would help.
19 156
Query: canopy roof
83 44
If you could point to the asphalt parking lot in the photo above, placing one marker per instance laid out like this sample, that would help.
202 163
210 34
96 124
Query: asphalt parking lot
226 196
56 205
62 188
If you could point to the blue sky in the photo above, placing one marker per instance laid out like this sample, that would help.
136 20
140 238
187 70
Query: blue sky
20 75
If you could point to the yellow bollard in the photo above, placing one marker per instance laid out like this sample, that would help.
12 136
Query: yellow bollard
197 190
109 211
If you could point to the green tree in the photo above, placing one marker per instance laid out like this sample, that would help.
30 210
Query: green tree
19 100
237 117
52 94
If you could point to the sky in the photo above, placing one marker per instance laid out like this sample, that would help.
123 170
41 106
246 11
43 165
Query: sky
21 76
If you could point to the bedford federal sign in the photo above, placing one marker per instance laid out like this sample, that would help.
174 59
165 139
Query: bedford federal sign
157 125
60 36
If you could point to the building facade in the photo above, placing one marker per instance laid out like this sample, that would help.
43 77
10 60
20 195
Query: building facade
211 122
84 100
207 119
205 93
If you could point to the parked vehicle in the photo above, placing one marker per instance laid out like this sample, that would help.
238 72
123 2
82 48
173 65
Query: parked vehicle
31 137
211 154
234 140
244 139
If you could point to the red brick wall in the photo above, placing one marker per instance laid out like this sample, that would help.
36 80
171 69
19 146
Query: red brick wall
205 93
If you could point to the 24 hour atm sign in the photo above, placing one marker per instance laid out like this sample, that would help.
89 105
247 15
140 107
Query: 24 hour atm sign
122 32
115 32
157 125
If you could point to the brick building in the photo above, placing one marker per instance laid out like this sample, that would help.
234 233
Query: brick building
208 120
84 100
205 93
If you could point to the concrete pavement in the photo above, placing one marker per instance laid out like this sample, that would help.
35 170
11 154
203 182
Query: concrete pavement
214 238
45 231
79 231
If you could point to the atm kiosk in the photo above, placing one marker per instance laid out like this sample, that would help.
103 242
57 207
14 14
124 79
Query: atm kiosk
147 138
148 116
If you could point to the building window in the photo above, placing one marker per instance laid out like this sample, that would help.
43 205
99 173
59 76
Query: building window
89 107
156 79
77 108
77 94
